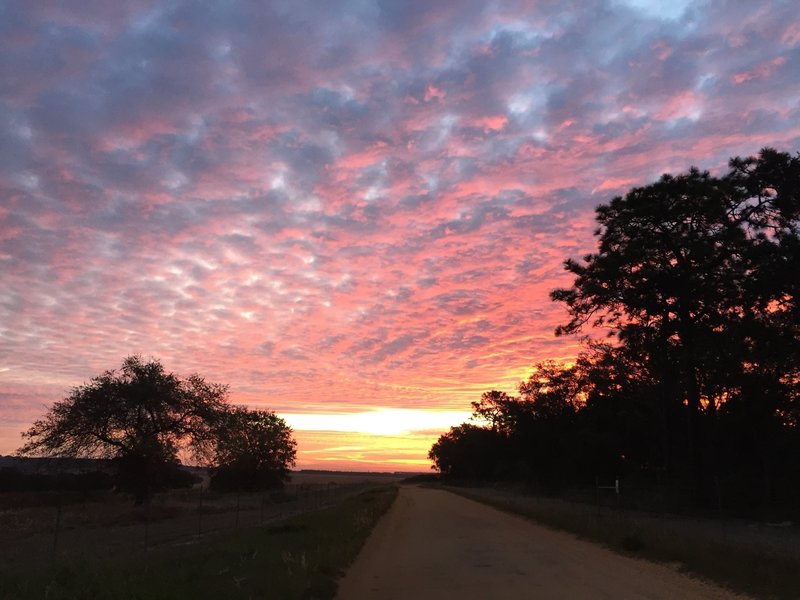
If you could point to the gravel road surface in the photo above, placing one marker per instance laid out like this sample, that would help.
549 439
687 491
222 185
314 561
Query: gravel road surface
433 544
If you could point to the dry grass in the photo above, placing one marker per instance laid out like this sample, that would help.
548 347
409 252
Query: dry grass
301 557
745 557
38 529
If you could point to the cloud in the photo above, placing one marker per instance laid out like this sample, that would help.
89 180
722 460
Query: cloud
348 204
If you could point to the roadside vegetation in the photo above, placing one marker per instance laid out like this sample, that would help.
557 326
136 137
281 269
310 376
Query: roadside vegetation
301 557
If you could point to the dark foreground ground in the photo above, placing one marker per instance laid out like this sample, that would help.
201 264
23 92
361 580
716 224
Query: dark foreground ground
42 529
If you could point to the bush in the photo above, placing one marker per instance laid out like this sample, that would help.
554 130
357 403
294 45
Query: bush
16 480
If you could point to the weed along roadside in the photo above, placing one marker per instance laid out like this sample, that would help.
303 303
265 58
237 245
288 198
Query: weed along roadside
301 557
763 564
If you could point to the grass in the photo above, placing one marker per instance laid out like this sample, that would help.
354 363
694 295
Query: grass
35 529
740 567
301 557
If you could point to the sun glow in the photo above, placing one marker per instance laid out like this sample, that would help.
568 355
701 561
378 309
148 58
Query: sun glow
383 421
348 451
377 440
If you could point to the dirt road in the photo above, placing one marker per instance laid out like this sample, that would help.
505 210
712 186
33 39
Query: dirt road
433 544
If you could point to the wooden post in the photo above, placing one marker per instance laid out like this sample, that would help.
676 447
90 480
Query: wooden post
238 504
200 513
56 529
146 527
597 491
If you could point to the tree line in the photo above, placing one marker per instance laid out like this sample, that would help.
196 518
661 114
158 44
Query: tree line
141 418
697 383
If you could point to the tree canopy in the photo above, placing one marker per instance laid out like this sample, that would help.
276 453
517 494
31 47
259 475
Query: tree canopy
699 275
254 449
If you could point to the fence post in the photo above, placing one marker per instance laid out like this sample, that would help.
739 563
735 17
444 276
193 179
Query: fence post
200 513
597 492
146 527
238 504
56 529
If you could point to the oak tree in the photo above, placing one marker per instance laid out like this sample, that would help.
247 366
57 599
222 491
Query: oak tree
253 450
139 416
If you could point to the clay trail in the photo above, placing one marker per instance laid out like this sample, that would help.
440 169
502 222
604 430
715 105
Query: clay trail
434 544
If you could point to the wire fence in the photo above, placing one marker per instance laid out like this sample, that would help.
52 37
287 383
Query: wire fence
73 527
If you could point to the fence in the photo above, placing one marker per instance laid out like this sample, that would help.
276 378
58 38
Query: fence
69 527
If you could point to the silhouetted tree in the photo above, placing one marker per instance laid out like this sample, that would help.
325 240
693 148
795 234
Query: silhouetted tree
503 413
470 452
138 416
696 279
698 275
254 449
624 426
554 391
527 437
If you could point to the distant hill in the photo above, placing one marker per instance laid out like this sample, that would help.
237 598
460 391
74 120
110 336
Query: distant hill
54 465
362 473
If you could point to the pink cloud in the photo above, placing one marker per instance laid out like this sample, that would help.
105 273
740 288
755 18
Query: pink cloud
434 93
687 103
762 71
368 215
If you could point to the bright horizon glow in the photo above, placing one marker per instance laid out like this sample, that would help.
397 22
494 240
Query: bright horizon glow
378 422
381 439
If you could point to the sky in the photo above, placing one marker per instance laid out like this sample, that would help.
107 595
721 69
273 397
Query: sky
351 212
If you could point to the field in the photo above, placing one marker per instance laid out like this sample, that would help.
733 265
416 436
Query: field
46 528
109 555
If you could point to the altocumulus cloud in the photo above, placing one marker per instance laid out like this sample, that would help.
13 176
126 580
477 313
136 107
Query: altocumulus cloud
341 204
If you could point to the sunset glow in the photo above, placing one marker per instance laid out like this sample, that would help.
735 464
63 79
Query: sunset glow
350 213
387 421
